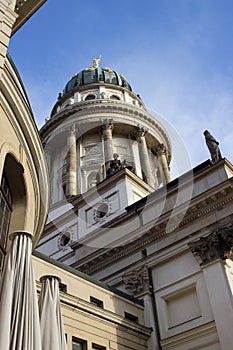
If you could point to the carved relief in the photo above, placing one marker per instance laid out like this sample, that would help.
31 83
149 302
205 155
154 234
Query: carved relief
217 245
90 150
137 281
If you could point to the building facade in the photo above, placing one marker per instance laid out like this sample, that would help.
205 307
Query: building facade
116 215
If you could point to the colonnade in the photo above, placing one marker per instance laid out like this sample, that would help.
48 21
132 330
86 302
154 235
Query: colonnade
107 135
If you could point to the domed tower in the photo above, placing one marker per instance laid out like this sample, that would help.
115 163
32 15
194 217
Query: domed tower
104 150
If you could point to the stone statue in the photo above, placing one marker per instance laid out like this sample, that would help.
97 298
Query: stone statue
115 165
212 145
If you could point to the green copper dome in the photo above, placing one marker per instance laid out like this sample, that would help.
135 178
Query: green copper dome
93 75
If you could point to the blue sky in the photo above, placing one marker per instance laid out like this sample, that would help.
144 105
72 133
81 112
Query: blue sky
177 54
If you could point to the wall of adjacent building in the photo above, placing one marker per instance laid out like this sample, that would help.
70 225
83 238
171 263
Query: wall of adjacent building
21 156
105 325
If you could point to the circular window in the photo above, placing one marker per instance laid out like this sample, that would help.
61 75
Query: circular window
102 210
89 97
65 240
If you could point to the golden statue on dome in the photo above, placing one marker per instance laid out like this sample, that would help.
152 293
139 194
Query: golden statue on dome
95 64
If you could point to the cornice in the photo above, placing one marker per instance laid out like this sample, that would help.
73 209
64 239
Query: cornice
78 305
25 9
104 106
199 208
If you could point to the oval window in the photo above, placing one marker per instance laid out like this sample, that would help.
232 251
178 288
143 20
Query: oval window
64 240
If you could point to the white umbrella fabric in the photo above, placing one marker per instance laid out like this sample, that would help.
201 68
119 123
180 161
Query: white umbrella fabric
52 329
19 316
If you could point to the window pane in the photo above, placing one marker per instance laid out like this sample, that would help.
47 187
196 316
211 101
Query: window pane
79 344
97 302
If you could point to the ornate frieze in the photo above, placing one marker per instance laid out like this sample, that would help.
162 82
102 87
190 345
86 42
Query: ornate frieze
217 245
137 281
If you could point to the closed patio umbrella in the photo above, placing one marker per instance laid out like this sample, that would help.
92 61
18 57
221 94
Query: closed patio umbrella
52 330
19 317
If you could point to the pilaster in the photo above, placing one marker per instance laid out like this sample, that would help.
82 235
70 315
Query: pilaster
210 252
7 20
138 283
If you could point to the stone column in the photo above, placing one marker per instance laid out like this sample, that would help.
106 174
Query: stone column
72 163
161 152
107 128
138 283
144 157
210 252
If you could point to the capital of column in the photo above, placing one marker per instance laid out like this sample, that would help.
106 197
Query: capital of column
137 281
20 233
141 131
50 277
107 125
161 149
73 130
217 245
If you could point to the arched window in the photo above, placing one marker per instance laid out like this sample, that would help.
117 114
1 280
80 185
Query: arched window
12 202
93 179
115 97
89 97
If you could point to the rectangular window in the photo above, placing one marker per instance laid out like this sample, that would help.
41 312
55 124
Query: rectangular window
131 318
79 344
98 347
97 302
62 287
